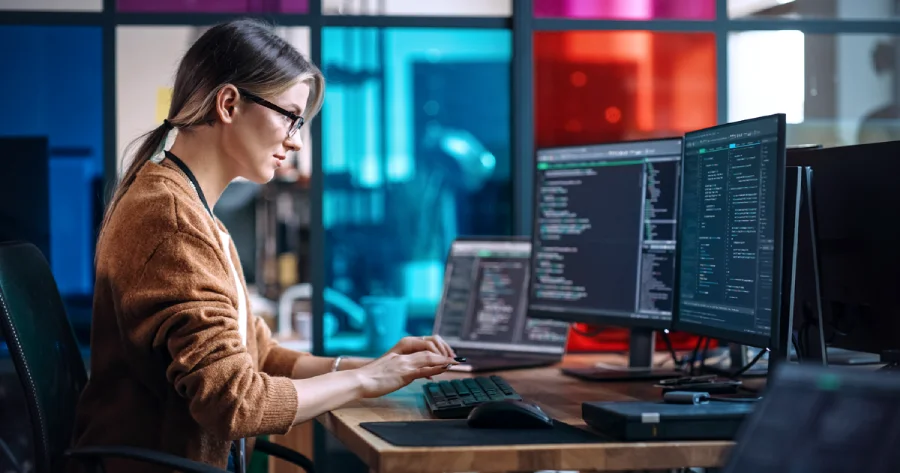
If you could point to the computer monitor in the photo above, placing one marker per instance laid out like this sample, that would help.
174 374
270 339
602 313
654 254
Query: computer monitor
816 419
854 196
482 313
729 258
604 241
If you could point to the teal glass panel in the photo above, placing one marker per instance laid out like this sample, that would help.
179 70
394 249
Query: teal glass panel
416 151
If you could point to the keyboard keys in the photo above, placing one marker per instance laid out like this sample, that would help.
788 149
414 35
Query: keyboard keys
460 387
456 398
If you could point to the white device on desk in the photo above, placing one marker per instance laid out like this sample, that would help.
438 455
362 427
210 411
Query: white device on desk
482 313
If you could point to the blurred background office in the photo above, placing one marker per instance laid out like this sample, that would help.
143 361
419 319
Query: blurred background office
433 111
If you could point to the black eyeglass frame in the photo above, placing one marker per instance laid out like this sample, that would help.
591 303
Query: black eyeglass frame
297 121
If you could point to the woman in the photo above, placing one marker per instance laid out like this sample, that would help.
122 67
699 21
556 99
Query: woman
179 364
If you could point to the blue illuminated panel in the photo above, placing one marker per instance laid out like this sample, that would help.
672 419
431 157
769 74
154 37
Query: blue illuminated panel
416 152
53 81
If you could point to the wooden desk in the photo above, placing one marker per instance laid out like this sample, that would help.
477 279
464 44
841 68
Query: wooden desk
560 396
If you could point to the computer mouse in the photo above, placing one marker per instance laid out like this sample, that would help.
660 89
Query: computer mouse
509 414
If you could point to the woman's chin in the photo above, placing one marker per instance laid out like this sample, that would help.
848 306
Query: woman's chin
261 176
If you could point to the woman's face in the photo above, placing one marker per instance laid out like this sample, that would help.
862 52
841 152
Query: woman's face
259 144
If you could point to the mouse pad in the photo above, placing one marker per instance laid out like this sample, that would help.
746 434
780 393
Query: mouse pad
455 433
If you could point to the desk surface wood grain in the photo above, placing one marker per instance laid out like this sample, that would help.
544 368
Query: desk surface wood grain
559 395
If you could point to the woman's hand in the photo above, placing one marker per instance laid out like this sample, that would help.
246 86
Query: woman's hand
394 371
433 344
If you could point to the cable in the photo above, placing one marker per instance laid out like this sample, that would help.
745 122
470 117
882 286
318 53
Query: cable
705 354
665 336
749 365
694 355
796 344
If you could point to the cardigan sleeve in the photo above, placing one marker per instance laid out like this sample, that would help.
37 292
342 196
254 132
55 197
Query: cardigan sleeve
182 308
274 359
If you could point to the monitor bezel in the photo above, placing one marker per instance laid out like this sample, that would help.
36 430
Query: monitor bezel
743 338
602 318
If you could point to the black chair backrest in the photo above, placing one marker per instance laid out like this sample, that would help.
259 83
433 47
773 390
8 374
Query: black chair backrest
43 347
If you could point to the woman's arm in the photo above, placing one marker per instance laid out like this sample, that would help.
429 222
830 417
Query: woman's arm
384 375
179 310
277 360
326 392
309 366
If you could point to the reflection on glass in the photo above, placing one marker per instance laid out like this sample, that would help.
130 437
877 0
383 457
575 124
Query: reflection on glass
416 152
225 6
38 98
51 5
146 60
836 89
627 9
839 9
418 7
598 86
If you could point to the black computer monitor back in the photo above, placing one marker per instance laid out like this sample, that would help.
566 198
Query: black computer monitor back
815 419
854 199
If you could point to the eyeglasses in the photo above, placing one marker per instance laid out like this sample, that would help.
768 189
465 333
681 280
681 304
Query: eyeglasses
296 120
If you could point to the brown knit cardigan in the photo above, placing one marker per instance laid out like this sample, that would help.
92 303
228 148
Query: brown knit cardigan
168 369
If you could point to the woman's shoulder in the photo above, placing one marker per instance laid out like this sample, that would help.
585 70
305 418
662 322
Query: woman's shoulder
157 206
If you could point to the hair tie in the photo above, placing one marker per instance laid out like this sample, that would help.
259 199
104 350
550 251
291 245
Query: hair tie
160 153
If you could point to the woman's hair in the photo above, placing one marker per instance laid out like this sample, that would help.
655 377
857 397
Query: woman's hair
244 53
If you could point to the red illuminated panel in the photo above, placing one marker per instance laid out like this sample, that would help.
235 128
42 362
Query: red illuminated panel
607 86
598 86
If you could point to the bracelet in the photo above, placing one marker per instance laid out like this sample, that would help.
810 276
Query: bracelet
337 362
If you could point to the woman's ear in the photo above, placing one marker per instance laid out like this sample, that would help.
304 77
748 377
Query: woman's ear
226 103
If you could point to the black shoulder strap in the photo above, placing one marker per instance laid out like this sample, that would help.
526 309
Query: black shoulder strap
187 172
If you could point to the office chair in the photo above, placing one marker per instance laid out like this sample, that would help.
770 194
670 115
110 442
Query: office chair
49 365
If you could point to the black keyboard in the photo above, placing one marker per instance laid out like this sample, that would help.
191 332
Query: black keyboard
455 399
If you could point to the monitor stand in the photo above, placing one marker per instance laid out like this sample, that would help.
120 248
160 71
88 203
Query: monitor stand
640 363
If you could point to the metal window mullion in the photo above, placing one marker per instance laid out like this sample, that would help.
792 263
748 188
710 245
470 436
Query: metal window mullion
522 116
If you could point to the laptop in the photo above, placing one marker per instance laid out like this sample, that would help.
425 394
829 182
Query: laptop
482 312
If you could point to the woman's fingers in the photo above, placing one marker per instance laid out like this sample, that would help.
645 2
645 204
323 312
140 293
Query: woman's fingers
430 371
426 359
444 346
433 347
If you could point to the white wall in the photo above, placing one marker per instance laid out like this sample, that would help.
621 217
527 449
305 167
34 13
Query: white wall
146 60
52 5
419 7
766 74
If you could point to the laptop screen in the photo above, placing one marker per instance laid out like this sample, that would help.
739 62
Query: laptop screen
483 305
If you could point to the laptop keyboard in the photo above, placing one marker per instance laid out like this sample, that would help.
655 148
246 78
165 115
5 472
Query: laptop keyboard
455 399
